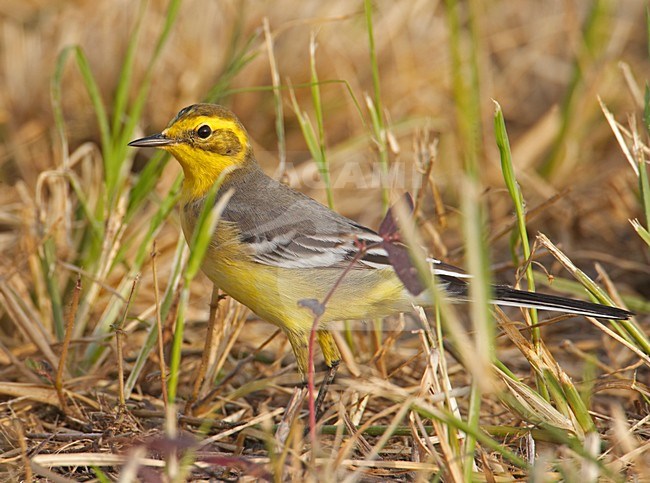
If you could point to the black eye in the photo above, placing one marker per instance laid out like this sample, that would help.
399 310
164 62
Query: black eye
204 131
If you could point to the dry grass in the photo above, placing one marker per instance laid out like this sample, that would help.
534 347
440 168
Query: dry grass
406 404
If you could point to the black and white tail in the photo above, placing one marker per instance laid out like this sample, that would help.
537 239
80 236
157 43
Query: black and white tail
454 280
518 298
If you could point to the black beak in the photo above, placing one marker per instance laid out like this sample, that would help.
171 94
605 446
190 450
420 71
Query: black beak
155 141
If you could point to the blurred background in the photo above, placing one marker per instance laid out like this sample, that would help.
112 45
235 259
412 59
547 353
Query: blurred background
440 67
533 58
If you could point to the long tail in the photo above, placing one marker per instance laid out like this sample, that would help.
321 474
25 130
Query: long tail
505 295
455 282
457 287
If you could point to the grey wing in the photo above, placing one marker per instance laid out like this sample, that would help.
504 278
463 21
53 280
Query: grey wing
298 232
308 235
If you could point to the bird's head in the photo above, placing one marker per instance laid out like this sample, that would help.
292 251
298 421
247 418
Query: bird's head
207 140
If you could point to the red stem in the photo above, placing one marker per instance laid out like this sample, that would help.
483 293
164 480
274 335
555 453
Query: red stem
312 338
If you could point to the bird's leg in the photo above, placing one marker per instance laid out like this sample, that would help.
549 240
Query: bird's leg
322 392
299 345
332 360
331 355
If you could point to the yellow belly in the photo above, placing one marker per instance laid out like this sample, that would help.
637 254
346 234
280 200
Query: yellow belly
274 293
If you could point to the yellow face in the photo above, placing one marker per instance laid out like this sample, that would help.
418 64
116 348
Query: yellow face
206 139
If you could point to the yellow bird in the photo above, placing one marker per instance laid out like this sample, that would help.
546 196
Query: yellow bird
274 246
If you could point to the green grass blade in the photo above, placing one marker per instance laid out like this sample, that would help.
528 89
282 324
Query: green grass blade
55 90
647 27
318 111
465 85
48 267
100 112
199 243
450 420
646 107
644 188
180 257
481 318
628 329
577 405
166 206
145 183
346 84
464 48
521 234
94 350
593 31
135 113
510 179
204 230
314 146
642 232
237 59
374 66
277 101
101 476
177 341
126 72
376 109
